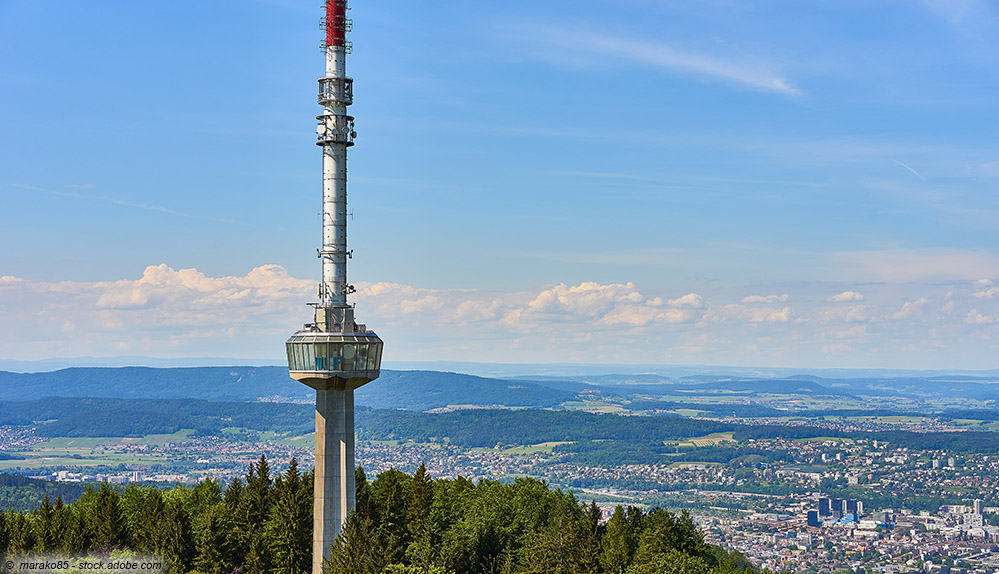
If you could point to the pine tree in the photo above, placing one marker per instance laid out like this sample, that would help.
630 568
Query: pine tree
203 497
46 539
148 527
561 546
390 496
418 508
663 531
617 544
106 520
362 495
61 522
213 544
178 546
4 535
421 551
233 494
21 533
671 561
77 536
263 471
236 540
289 526
358 549
253 510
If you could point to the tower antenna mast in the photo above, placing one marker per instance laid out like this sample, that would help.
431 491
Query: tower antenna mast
334 354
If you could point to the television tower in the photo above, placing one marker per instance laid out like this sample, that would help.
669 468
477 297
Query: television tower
334 354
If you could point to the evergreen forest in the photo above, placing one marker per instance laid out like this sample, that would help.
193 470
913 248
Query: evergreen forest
402 524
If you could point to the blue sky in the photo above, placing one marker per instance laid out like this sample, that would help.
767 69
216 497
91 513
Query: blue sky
767 183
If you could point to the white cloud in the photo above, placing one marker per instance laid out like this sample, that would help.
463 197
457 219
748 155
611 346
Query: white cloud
475 311
168 312
637 316
688 301
847 313
987 293
734 312
587 299
164 312
855 333
910 308
846 296
766 299
975 317
564 44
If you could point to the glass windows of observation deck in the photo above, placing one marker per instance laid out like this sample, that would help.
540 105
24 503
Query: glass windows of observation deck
349 357
334 356
310 355
294 356
322 357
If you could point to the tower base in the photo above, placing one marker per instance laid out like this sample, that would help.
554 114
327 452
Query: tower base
334 485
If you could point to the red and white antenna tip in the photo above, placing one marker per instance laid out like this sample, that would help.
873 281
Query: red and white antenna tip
336 22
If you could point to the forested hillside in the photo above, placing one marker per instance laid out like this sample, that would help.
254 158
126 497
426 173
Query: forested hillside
415 390
23 493
138 417
402 524
621 438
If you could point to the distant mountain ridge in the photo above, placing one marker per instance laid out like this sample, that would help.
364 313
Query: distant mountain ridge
414 390
427 390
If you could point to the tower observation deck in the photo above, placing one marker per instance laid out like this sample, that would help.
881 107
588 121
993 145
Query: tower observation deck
334 354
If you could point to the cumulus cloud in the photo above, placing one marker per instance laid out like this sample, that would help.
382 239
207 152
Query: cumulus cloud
165 311
846 296
392 300
587 299
186 312
987 293
845 313
910 308
688 301
766 299
856 332
975 317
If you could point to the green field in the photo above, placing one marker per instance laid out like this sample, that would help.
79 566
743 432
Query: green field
94 451
707 440
594 406
535 448
161 439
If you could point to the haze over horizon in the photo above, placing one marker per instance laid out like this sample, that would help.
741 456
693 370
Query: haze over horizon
601 182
